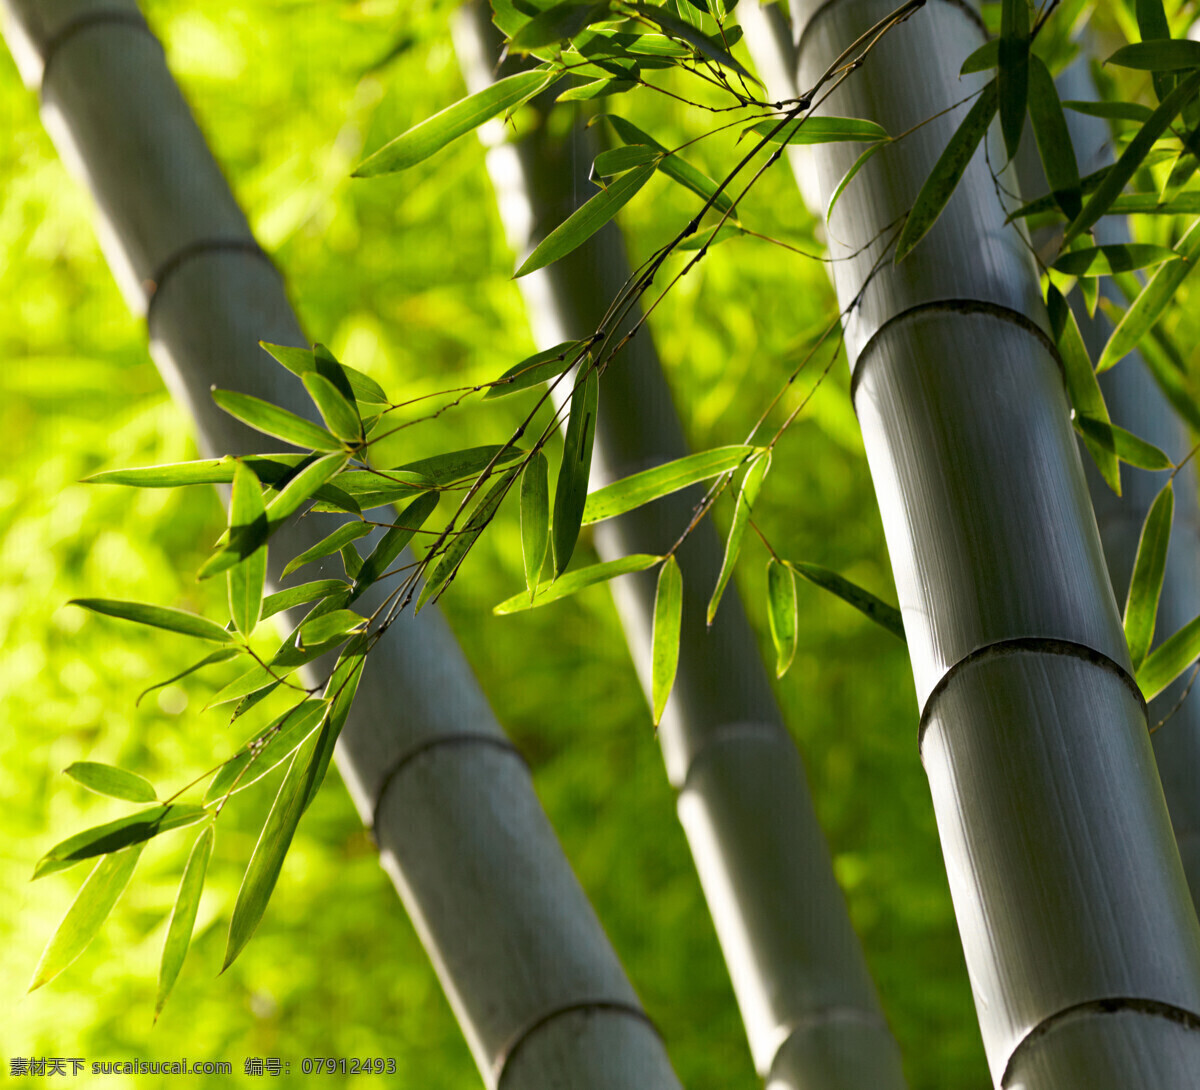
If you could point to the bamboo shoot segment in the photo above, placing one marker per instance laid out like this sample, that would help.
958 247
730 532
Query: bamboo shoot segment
1058 845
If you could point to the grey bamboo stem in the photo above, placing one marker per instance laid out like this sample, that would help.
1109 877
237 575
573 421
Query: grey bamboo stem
807 1001
538 990
1080 937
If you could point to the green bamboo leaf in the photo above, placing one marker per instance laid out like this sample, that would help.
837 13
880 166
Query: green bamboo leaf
538 368
1110 111
664 643
640 488
114 782
618 160
457 465
947 172
298 595
586 220
575 581
600 42
272 420
985 57
1053 138
173 620
599 88
327 546
1129 448
329 626
254 680
557 24
303 361
848 177
351 560
408 522
183 916
535 518
820 130
706 237
223 655
1167 661
1152 24
204 471
674 166
782 613
115 835
266 748
570 494
340 415
1112 258
884 615
1132 157
434 133
742 510
1151 301
267 859
92 904
461 542
1145 585
1169 55
246 578
297 360
677 28
1013 77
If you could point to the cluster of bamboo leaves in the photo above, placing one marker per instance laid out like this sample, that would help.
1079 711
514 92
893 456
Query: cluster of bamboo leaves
602 50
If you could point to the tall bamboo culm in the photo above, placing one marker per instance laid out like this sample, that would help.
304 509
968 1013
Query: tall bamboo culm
537 989
810 1010
1079 934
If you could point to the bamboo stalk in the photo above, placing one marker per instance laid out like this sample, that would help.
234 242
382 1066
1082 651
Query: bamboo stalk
538 990
809 1007
1080 937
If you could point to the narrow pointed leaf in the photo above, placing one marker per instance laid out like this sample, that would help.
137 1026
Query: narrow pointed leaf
1152 25
1110 111
303 487
342 687
884 615
640 488
677 28
947 172
458 465
1167 661
272 420
351 531
538 368
557 24
302 361
570 494
117 783
297 360
246 578
266 749
664 643
1053 139
340 416
183 917
1153 299
985 57
351 560
742 511
223 655
706 237
254 680
576 581
848 177
782 613
618 160
173 620
433 134
1133 155
329 626
298 595
115 835
587 220
408 522
92 904
820 130
1168 55
1145 585
1129 448
599 88
1013 77
204 471
1113 258
674 166
535 518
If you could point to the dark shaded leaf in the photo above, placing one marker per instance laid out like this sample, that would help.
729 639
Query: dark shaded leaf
1130 448
1110 111
1053 138
985 57
1013 77
1167 661
570 495
1169 55
408 522
1149 567
747 494
1113 258
247 578
115 835
266 749
556 24
677 28
887 616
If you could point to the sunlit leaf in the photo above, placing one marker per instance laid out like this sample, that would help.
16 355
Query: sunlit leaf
302 361
664 643
1053 138
1128 447
742 511
1167 661
618 160
677 28
183 917
1112 258
820 130
575 581
246 578
92 904
173 620
535 518
267 748
1149 567
340 416
877 610
298 595
782 613
556 24
223 655
272 420
570 495
408 522
115 835
114 782
538 368
434 133
848 177
329 626
327 546
673 165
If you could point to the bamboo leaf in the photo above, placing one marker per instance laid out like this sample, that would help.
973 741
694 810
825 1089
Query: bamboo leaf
1131 158
351 560
298 595
340 415
1128 447
820 130
575 581
329 626
256 679
1053 139
1166 55
183 916
303 487
114 782
586 220
267 748
677 28
303 361
1110 111
876 609
1167 661
1013 77
673 165
1152 24
664 643
297 360
848 177
535 518
246 578
272 420
1151 301
343 684
92 904
947 172
985 57
1112 258
618 160
742 511
1149 567
327 546
641 488
223 655
538 368
457 465
711 236
434 133
204 471
408 522
599 88
570 494
782 613
556 24
115 835
173 620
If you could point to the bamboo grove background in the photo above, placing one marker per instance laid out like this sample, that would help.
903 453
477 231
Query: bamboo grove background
408 279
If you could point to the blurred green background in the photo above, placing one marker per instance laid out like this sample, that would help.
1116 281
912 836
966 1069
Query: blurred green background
408 278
